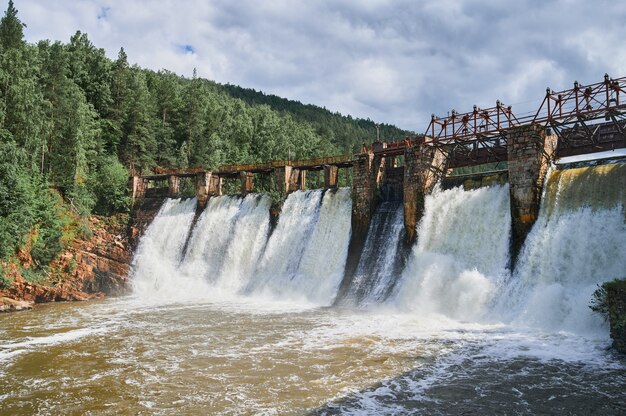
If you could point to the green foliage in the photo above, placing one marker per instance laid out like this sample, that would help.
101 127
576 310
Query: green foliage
35 276
11 29
54 228
5 281
600 297
18 199
110 184
599 302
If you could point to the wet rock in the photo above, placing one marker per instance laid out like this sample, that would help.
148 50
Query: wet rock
616 303
11 305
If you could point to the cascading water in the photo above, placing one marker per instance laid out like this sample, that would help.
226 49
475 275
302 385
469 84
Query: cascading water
461 254
577 242
381 261
299 261
155 265
228 252
227 241
247 355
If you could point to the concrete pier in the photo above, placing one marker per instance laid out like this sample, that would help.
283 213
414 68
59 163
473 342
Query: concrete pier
529 154
247 182
424 167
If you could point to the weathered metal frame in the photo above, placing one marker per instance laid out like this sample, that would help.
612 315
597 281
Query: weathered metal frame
481 126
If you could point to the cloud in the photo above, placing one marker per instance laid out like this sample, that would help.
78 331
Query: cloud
391 61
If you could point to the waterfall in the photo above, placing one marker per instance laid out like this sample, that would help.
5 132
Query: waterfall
381 261
577 243
306 254
227 241
228 252
461 255
458 268
155 271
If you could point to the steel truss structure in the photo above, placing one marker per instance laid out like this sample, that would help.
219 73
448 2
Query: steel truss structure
586 118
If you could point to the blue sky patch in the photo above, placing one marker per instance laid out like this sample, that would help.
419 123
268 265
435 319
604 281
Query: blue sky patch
103 13
188 49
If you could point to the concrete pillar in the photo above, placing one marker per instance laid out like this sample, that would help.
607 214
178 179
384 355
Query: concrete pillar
364 186
331 175
215 185
301 180
137 187
365 180
174 186
424 166
247 182
202 184
289 179
529 152
282 176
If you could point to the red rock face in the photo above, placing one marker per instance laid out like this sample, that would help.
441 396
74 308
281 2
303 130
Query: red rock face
89 269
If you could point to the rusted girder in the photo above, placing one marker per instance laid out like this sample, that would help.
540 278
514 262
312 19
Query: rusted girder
482 126
592 101
586 118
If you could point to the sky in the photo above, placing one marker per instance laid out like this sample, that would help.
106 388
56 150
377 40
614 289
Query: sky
395 62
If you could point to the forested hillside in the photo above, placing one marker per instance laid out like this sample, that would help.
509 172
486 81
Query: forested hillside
75 124
346 132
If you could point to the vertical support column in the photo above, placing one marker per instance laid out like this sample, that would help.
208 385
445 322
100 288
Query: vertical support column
330 176
301 181
529 152
247 182
202 185
137 187
293 180
366 175
363 191
174 186
424 166
282 175
215 185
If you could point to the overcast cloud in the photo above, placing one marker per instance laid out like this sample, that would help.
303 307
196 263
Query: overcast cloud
391 61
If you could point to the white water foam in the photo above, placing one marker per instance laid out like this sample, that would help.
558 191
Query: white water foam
155 273
379 264
227 242
461 255
305 256
576 244
229 254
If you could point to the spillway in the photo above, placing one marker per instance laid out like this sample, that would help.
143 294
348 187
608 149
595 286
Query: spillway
382 259
577 243
456 331
229 250
461 255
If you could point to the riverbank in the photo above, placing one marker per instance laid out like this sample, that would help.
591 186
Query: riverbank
91 267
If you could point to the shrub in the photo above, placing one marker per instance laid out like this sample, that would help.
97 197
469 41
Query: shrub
5 282
110 185
599 301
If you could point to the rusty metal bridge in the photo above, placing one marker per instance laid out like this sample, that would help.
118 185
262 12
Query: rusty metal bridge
585 119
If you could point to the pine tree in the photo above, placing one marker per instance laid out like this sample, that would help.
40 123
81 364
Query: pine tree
139 142
21 103
11 29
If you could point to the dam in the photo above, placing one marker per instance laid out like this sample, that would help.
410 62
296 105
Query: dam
441 274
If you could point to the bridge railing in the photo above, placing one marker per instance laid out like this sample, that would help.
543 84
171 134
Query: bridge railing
586 102
580 117
478 125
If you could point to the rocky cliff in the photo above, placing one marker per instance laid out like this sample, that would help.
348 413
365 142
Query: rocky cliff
90 268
